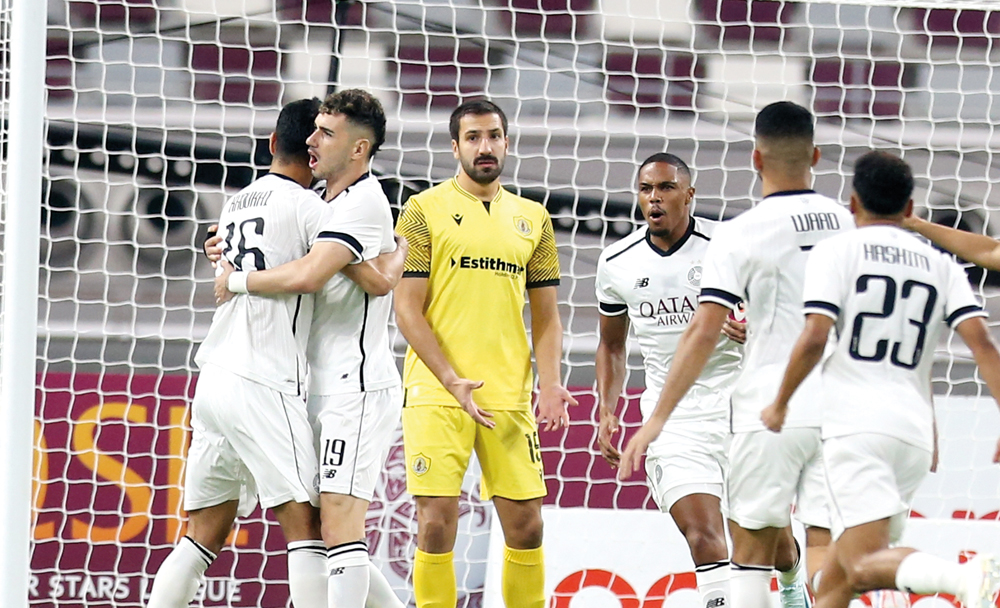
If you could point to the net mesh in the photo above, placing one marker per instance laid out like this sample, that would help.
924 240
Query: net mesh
156 109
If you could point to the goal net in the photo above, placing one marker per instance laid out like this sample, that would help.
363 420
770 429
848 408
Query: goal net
157 109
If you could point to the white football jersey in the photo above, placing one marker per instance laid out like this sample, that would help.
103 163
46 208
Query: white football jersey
272 221
349 349
759 257
890 295
658 289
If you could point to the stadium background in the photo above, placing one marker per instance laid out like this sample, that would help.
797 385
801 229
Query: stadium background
158 108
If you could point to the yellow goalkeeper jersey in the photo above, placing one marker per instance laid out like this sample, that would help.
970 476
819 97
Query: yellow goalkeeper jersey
478 257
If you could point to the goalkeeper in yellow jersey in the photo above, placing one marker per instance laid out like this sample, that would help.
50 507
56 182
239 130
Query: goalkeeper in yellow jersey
474 250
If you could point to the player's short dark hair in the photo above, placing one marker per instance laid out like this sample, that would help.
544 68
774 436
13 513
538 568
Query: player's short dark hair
670 159
362 109
296 122
883 183
784 120
476 107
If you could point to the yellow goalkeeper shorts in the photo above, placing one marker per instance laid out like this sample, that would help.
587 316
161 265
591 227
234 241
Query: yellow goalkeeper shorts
438 442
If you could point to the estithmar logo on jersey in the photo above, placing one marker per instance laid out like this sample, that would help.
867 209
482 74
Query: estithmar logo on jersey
498 265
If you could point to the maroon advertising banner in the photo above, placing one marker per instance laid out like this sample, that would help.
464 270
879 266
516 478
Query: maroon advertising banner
108 472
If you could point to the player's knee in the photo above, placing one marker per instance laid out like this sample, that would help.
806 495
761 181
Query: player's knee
707 545
858 576
527 534
437 527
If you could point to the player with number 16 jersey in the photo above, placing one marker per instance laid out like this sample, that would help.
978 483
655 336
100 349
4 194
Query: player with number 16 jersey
262 339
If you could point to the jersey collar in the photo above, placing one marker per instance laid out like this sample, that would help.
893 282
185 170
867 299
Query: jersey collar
673 248
279 175
471 197
790 193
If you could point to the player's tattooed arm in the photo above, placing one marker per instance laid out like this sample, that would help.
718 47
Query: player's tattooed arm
380 275
546 337
806 353
610 372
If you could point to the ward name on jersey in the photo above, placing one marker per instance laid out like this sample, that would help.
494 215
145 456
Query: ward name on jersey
890 295
272 221
658 290
760 257
349 349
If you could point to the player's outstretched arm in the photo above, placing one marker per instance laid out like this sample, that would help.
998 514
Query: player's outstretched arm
610 371
380 275
806 353
979 249
411 294
693 350
546 337
973 331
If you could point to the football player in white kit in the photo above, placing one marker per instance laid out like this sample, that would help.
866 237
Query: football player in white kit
252 439
759 258
889 296
649 280
354 387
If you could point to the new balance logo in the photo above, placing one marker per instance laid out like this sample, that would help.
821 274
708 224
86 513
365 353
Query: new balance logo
336 571
716 602
640 283
457 218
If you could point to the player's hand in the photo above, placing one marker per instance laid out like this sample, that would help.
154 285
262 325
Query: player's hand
212 249
552 402
401 243
735 330
773 416
631 459
606 430
222 293
462 389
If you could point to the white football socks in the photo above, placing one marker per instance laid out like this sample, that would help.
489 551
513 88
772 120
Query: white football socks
349 571
750 586
179 576
380 593
713 584
307 577
928 574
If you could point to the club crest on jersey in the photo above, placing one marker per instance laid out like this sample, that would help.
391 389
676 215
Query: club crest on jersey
522 225
420 464
694 275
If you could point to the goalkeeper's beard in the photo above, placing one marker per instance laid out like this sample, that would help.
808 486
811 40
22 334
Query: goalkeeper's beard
484 176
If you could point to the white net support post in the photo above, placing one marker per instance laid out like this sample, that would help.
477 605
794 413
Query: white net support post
23 133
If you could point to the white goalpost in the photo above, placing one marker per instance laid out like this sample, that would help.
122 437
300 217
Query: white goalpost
155 110
25 112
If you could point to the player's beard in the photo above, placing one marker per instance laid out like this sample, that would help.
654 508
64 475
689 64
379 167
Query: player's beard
483 176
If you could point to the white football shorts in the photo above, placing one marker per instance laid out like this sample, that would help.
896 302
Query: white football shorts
689 457
354 432
768 472
249 442
873 477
